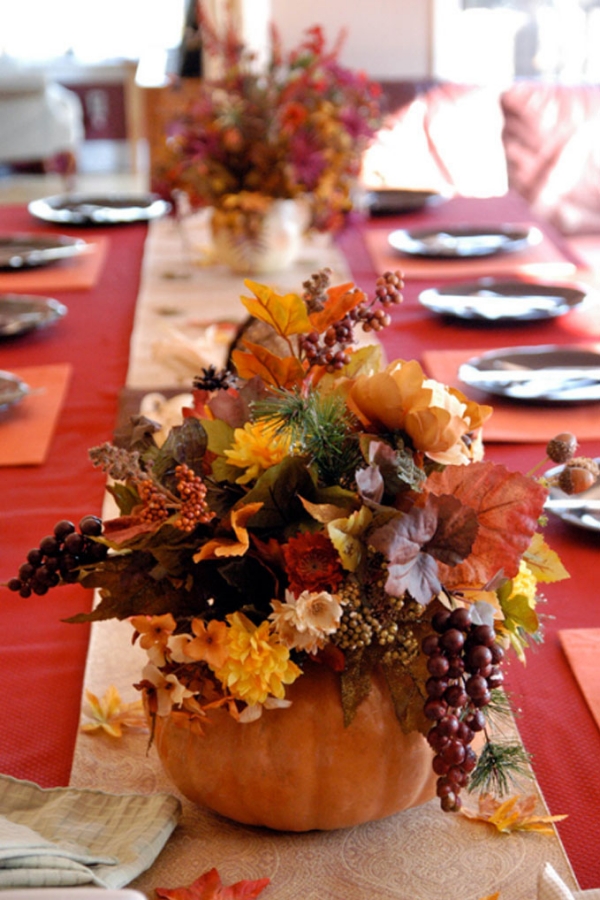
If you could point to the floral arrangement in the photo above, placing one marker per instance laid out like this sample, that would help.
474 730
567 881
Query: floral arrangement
298 127
315 504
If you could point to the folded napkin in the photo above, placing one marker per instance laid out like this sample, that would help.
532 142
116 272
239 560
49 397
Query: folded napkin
551 886
64 836
77 273
542 260
582 649
26 429
512 421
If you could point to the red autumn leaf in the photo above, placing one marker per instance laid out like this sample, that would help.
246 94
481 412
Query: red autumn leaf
279 371
340 300
125 528
508 506
210 887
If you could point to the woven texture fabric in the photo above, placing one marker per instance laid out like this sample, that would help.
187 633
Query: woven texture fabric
63 836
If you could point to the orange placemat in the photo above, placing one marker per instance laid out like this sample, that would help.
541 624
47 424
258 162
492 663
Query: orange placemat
512 421
26 429
74 274
582 649
542 260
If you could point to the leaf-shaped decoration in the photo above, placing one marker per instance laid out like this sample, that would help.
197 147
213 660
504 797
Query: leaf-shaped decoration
286 314
410 568
508 506
514 814
544 563
355 683
185 444
210 887
224 546
340 300
126 496
324 512
279 490
281 372
456 531
345 535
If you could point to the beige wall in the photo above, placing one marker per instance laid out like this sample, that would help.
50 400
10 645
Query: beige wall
386 38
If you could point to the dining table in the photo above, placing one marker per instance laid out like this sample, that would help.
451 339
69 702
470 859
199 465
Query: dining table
43 657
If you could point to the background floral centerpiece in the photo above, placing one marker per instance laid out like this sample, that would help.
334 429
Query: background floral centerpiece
318 519
295 127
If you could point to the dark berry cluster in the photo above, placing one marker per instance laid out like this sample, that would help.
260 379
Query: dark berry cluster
463 662
330 348
58 557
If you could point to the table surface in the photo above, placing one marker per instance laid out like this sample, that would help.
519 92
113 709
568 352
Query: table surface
42 658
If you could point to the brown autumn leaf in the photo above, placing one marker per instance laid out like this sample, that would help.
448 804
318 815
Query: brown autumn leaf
508 506
278 371
227 546
210 887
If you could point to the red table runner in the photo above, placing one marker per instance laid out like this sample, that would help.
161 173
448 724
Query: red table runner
42 659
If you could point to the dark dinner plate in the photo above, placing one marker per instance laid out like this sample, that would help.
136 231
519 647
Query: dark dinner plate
389 201
464 241
26 251
20 313
536 374
503 300
12 390
99 209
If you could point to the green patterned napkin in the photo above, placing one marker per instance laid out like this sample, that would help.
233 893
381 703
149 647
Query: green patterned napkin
65 836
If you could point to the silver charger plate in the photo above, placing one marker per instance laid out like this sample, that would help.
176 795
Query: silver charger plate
99 209
579 515
26 251
546 373
12 390
20 313
489 300
464 241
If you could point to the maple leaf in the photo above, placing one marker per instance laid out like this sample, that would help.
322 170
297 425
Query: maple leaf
544 562
281 372
508 506
340 300
285 314
111 715
210 887
514 814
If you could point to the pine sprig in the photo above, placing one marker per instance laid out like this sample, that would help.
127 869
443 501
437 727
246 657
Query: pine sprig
500 765
321 428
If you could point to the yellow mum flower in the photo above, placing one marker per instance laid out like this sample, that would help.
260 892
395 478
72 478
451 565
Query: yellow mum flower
258 664
257 447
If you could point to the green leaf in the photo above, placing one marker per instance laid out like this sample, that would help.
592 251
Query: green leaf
187 444
126 496
279 490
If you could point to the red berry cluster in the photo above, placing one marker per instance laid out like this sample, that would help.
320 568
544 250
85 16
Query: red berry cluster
463 663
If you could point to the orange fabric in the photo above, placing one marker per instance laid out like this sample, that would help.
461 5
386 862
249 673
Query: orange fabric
75 274
26 430
543 260
582 649
511 421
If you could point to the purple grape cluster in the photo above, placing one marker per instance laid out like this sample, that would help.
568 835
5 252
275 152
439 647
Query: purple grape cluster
463 661
57 558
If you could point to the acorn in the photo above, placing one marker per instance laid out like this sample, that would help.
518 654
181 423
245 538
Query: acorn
562 447
579 474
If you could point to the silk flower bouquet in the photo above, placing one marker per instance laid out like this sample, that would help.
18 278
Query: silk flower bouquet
318 519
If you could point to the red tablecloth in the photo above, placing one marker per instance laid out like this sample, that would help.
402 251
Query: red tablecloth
41 660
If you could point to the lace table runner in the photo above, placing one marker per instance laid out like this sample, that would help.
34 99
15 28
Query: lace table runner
421 854
181 297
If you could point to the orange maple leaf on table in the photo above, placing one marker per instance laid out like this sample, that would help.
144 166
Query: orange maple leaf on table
515 814
210 887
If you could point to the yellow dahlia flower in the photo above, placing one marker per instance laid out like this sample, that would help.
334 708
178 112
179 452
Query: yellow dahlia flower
258 664
257 447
